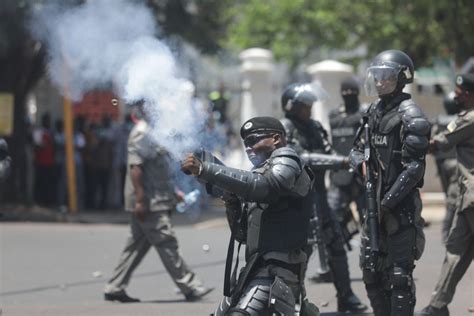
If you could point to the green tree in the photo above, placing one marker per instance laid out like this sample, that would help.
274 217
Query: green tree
293 29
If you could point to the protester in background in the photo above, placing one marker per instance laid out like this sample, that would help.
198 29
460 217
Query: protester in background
104 158
44 162
150 197
89 159
60 165
79 145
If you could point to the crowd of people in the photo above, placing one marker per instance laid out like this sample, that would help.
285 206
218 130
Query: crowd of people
378 153
100 159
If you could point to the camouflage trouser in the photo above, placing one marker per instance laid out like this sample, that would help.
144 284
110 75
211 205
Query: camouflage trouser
391 288
449 180
155 231
459 255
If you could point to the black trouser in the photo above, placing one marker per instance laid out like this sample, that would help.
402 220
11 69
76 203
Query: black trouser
390 287
332 236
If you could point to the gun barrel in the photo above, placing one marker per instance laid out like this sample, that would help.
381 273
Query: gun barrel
372 213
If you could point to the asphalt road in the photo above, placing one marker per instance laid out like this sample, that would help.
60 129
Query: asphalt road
60 269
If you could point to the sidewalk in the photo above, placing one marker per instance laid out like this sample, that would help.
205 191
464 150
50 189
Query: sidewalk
19 213
433 211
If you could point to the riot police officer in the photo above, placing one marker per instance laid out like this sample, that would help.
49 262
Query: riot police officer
346 187
266 212
446 162
309 139
397 133
460 242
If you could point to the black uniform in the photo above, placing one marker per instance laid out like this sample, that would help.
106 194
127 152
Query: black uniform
346 186
266 211
312 137
399 140
399 143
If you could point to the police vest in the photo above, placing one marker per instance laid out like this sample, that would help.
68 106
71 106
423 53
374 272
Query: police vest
386 142
279 226
344 128
309 137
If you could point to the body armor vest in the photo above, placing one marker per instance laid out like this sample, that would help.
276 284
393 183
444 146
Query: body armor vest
386 139
278 226
311 137
344 128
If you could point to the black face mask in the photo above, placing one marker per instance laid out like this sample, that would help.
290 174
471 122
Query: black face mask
351 102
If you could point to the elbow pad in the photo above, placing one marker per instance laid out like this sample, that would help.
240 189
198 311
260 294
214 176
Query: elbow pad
405 182
248 185
319 161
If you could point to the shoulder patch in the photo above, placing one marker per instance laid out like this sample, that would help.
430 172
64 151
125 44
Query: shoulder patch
452 126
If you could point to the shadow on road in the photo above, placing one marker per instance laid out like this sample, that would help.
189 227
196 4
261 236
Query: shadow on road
99 281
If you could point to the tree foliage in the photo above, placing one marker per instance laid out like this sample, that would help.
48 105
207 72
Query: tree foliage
293 29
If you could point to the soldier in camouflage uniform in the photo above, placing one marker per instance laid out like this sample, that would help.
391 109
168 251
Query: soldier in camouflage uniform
446 162
150 197
460 242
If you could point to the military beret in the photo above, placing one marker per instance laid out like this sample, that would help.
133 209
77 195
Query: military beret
261 124
465 81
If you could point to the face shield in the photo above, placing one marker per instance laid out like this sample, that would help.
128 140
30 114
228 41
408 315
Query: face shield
381 78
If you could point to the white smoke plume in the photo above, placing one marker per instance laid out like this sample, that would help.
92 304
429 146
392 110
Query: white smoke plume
112 44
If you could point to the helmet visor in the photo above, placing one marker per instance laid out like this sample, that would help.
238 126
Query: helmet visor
381 79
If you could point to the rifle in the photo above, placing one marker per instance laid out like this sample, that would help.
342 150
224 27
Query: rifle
316 238
372 212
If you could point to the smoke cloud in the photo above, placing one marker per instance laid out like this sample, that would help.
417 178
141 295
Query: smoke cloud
112 44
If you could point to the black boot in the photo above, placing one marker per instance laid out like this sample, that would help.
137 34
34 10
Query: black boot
121 297
433 311
322 277
350 303
379 300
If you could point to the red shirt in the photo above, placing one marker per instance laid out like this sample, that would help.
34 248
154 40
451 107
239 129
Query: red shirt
44 151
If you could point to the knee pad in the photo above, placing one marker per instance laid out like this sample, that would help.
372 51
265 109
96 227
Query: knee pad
253 302
401 279
223 307
281 298
403 298
237 312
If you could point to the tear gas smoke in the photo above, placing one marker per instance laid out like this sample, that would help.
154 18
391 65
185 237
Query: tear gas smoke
112 44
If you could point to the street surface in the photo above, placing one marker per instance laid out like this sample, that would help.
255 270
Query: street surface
59 269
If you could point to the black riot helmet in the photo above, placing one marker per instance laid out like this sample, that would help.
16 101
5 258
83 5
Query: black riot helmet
450 105
390 71
297 95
